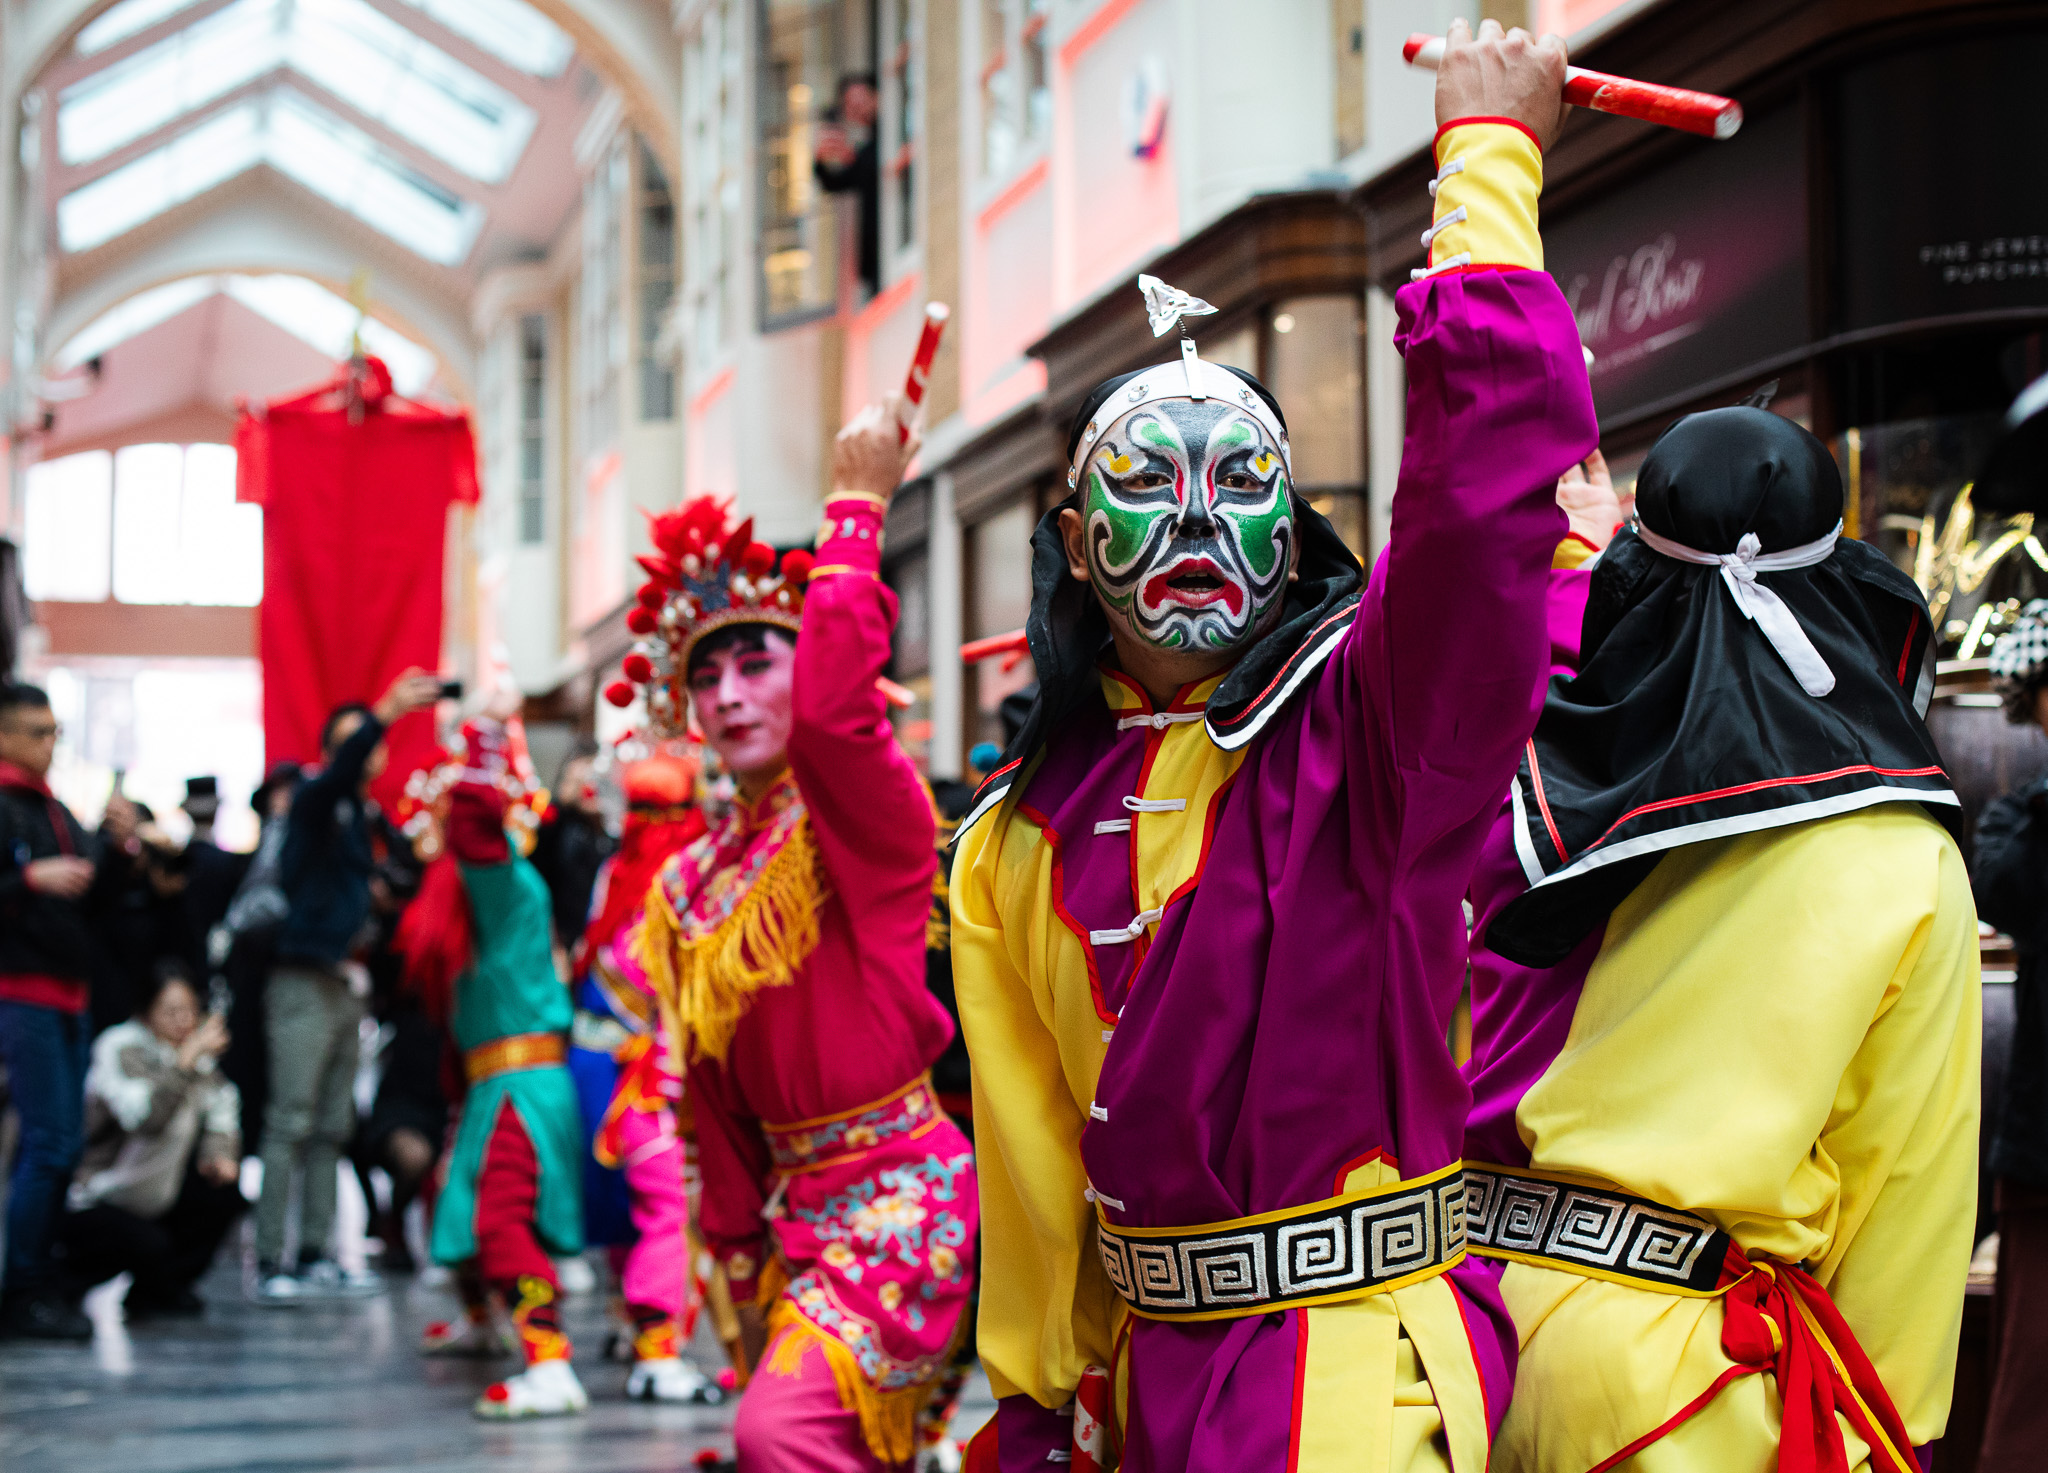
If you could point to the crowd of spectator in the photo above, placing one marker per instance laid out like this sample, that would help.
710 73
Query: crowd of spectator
167 1007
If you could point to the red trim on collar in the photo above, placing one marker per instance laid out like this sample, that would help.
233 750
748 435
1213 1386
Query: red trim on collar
1769 782
14 776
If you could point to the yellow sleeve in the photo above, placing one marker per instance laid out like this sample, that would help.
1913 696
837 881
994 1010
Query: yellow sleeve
1046 1310
1903 1135
1489 174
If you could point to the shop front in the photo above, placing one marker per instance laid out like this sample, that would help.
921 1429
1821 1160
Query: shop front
1863 244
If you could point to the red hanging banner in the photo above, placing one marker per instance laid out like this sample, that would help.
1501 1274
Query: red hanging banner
355 484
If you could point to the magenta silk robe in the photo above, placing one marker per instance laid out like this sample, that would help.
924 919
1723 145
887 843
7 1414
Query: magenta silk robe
1289 1019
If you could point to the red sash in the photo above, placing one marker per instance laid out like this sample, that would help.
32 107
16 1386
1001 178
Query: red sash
1779 1319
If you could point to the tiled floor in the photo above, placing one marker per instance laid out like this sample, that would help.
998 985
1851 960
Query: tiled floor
299 1390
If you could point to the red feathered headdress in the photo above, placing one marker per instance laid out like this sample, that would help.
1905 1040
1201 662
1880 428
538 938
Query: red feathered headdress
704 574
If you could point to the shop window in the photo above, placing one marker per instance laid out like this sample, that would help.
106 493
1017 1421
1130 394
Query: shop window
801 63
533 363
902 105
1016 83
600 317
657 218
149 524
911 645
1313 370
999 600
714 144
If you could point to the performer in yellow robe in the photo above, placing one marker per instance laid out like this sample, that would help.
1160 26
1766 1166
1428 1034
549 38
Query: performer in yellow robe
1725 1069
1208 925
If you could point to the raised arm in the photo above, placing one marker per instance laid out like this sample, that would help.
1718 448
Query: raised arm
1450 647
869 810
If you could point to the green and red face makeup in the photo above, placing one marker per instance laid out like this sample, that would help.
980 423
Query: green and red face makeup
1189 520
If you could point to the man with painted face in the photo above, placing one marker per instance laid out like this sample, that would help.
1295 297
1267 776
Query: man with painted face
788 945
1208 930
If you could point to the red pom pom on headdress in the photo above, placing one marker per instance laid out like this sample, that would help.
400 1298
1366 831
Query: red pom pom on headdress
706 573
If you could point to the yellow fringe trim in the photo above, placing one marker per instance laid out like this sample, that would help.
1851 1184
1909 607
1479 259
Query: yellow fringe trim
888 1419
711 981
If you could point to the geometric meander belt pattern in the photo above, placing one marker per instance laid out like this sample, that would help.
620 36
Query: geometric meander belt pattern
1588 1230
1336 1249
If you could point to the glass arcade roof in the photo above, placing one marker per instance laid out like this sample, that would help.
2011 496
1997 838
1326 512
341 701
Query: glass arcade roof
301 140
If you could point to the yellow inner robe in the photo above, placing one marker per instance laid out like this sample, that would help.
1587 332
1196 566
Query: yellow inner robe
1388 1381
1780 1034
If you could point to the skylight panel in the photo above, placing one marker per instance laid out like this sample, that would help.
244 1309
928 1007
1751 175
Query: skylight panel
340 163
510 30
130 18
302 141
388 73
348 47
161 83
132 318
218 149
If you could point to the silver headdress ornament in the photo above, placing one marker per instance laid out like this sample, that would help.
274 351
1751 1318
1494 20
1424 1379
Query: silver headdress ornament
1167 306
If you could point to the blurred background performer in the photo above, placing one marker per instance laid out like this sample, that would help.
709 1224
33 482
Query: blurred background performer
629 1078
478 950
1208 926
1771 1087
791 941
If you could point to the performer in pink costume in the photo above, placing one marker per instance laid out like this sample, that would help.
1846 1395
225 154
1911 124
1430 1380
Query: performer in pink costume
621 1030
838 1197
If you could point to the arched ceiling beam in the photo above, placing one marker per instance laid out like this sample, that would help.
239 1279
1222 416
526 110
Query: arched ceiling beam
268 229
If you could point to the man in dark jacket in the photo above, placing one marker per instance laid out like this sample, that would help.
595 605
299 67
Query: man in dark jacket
312 1008
2011 880
573 845
46 961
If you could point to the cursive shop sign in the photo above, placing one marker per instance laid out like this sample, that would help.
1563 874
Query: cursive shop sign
1693 273
1646 301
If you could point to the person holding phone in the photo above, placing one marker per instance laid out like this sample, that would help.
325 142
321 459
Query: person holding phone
157 1189
313 1009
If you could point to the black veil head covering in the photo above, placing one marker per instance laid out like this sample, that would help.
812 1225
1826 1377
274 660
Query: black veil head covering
1685 723
1067 629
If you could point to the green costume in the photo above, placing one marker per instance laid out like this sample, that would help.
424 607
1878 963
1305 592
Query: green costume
510 988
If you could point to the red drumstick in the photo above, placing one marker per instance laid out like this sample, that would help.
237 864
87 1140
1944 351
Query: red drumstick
935 315
975 651
1650 102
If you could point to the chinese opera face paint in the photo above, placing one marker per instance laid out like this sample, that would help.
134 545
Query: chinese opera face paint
1189 521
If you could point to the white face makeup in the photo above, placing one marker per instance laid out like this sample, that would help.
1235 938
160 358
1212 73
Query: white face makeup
1189 521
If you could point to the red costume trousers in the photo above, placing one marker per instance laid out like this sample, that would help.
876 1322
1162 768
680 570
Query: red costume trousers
510 1258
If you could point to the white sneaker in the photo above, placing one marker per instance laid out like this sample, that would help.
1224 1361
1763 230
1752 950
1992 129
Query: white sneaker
942 1456
329 1280
280 1287
547 1388
465 1339
671 1379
